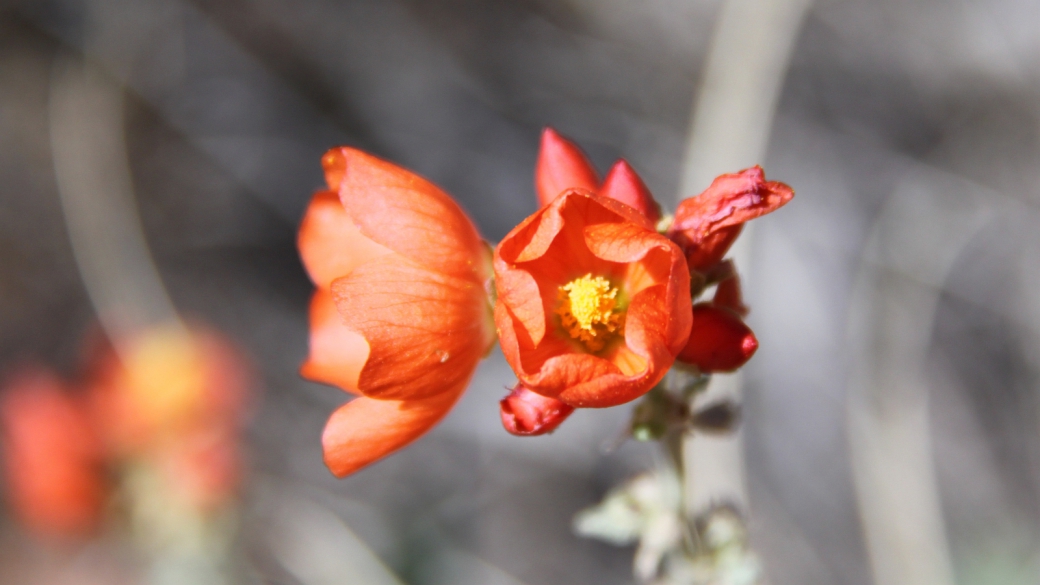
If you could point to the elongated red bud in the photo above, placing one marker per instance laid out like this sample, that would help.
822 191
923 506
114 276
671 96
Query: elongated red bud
561 166
528 413
624 185
719 340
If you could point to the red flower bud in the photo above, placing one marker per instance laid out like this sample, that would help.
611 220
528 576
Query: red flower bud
562 166
624 185
527 413
706 226
719 340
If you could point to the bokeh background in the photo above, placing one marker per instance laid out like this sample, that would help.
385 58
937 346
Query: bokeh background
892 406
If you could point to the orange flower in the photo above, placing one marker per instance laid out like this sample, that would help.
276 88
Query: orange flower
169 383
562 165
400 314
593 304
707 225
52 457
176 399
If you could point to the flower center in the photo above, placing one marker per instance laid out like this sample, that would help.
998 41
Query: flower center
588 311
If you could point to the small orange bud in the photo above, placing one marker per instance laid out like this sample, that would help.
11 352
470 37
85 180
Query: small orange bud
527 413
719 340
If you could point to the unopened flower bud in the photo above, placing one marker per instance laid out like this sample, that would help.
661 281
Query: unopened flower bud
528 413
728 295
719 340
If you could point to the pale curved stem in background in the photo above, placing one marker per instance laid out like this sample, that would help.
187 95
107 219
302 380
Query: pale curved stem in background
730 126
913 245
97 199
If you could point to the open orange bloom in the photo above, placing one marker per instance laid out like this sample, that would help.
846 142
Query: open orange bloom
593 304
52 457
400 314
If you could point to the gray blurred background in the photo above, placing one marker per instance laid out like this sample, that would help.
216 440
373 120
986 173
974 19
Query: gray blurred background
896 300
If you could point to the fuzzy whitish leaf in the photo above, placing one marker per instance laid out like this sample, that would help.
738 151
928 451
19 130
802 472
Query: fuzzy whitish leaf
628 512
723 528
661 535
613 520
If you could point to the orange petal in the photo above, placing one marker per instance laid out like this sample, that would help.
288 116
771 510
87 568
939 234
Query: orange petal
652 260
337 354
426 331
527 413
330 244
561 165
623 184
719 340
406 213
367 429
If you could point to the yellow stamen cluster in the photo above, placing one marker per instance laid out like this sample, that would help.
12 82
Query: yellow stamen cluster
588 311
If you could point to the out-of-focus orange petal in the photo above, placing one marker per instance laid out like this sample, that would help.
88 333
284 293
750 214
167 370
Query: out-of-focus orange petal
52 457
623 184
367 429
426 331
719 340
527 413
406 213
337 354
561 165
330 244
706 225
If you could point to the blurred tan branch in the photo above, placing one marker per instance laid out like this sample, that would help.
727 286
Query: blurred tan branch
924 226
97 199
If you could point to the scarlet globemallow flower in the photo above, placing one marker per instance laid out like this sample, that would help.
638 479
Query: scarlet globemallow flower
167 382
52 456
400 314
174 397
593 304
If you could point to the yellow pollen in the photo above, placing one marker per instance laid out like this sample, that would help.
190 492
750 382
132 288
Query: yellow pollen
588 311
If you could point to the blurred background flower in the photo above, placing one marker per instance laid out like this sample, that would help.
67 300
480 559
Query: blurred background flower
891 405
